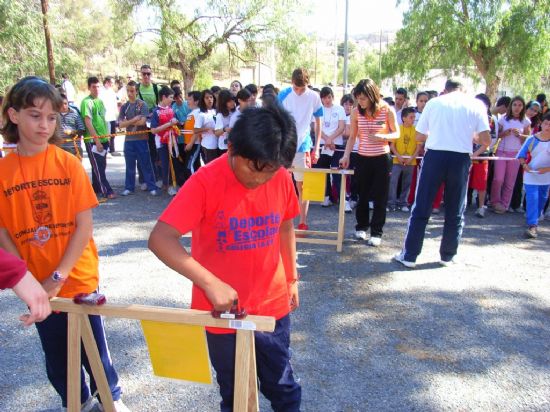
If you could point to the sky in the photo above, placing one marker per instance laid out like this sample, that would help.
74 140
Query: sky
365 16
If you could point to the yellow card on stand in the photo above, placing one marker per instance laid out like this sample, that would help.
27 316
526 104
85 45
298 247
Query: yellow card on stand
314 186
178 351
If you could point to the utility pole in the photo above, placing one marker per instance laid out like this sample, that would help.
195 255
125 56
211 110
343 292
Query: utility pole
346 50
380 61
49 49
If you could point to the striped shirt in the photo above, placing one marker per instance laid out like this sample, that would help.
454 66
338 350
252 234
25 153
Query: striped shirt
368 125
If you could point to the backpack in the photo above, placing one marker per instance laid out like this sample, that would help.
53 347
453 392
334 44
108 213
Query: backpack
155 90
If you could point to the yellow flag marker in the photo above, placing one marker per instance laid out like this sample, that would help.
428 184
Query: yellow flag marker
314 186
178 351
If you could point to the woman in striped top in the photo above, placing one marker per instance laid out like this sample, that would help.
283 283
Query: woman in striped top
374 123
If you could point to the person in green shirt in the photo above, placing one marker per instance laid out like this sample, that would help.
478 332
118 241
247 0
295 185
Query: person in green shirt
92 111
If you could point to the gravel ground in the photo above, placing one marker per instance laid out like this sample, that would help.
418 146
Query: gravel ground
370 335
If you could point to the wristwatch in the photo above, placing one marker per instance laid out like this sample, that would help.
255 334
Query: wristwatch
57 276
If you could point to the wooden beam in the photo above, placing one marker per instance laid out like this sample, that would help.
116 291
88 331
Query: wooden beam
95 364
159 314
242 370
253 402
73 362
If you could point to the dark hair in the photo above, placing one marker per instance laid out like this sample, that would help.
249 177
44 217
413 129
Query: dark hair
252 88
63 96
402 91
546 117
165 91
107 79
389 100
406 111
422 94
64 75
266 136
300 77
369 89
174 83
326 91
195 95
541 98
92 80
202 104
509 115
346 98
432 94
236 81
215 89
131 83
224 97
486 100
504 101
243 94
23 95
177 91
535 120
267 87
145 66
451 85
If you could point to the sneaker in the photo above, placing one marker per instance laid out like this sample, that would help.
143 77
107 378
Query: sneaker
435 211
172 191
116 154
119 407
101 199
126 192
400 257
518 210
448 263
347 207
531 232
371 205
374 241
154 193
405 209
326 202
480 212
361 235
498 208
353 204
144 187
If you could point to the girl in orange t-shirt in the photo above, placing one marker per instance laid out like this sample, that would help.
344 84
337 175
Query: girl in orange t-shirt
46 203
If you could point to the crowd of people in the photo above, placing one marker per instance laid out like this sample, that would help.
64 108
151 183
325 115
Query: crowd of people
223 154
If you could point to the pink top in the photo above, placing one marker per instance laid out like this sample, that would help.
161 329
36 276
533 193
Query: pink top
368 125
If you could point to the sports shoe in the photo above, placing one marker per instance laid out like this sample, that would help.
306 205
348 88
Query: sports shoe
361 235
172 191
531 232
347 207
101 199
353 204
144 187
126 192
371 205
326 202
400 257
435 211
374 241
154 193
448 263
119 407
480 212
518 210
498 208
405 209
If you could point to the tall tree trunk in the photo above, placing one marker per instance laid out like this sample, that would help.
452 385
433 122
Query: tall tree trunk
188 80
492 83
49 49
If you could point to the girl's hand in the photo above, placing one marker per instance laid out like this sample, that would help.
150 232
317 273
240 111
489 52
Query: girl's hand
221 295
344 162
188 147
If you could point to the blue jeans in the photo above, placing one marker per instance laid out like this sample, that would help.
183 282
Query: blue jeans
536 197
272 362
53 336
453 169
137 152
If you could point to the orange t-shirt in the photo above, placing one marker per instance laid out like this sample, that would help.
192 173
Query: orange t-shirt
236 234
50 191
189 126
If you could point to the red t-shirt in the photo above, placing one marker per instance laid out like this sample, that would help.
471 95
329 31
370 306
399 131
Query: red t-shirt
236 234
12 269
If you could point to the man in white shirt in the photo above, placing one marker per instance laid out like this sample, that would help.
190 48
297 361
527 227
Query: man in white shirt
70 92
109 98
400 98
448 125
303 103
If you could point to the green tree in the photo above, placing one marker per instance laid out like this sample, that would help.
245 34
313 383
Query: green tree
187 42
497 40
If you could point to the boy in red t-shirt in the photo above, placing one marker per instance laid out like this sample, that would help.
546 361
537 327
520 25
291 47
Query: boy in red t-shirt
239 209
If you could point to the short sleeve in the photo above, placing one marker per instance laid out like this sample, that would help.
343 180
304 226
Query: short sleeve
482 118
219 122
86 108
292 209
155 119
186 210
144 109
522 154
423 125
122 112
341 113
199 120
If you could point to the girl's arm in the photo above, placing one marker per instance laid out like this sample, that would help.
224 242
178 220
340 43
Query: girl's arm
393 129
344 161
79 239
165 126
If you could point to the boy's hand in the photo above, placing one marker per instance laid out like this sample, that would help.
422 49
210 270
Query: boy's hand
221 295
294 296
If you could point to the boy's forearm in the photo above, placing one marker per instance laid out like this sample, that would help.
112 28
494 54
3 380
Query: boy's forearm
288 250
